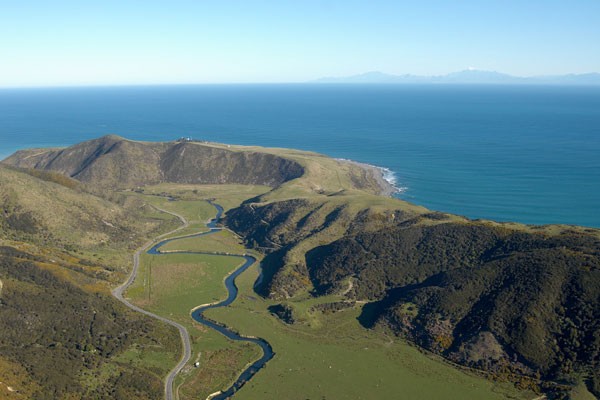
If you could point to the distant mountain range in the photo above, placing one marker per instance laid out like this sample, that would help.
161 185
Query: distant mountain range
469 76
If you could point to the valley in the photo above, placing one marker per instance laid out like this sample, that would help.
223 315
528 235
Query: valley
360 295
330 349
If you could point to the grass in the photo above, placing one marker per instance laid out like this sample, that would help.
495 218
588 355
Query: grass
152 358
192 229
218 368
320 357
222 241
171 285
15 376
194 211
228 196
580 392
341 360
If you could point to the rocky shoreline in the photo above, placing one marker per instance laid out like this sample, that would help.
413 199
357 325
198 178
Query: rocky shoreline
378 174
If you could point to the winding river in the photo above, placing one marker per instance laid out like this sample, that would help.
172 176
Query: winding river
232 292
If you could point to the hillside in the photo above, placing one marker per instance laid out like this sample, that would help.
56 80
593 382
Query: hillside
519 302
516 301
48 320
481 296
114 162
48 209
61 249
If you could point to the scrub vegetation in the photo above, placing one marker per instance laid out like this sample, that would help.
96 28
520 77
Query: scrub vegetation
63 335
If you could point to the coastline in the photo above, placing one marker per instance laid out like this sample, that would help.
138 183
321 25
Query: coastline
384 177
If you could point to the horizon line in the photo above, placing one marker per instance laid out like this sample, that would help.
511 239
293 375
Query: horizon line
322 80
303 83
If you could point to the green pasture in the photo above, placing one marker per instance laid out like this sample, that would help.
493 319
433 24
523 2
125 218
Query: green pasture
228 196
338 359
171 285
319 357
221 242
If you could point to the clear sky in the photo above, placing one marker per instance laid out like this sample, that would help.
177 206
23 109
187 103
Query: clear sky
85 42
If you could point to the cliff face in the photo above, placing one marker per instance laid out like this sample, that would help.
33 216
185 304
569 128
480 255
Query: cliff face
115 162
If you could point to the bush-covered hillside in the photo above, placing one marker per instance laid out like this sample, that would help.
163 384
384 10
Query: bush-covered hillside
510 300
63 341
63 335
482 296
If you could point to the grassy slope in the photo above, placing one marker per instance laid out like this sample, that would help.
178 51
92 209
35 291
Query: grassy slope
58 216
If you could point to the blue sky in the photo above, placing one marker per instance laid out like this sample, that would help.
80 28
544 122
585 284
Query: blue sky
48 43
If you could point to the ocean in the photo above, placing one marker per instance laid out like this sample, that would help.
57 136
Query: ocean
509 153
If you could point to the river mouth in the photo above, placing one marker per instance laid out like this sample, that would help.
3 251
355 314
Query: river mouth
232 292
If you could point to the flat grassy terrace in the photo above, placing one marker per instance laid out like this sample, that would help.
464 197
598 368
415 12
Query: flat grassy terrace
171 285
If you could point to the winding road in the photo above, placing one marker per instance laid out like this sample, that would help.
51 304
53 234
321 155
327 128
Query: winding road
183 333
197 313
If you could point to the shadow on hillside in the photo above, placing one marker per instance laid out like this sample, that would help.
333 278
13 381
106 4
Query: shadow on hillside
270 265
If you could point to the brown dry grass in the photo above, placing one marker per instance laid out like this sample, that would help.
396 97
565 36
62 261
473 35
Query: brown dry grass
15 376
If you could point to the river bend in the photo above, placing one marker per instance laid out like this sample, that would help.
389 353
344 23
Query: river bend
232 292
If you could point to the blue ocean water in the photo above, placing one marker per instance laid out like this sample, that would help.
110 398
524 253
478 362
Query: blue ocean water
522 153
